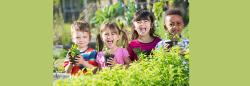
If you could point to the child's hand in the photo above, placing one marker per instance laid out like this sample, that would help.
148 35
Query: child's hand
71 61
111 61
166 47
79 60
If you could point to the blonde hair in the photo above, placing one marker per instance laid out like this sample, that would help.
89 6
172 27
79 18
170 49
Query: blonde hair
114 27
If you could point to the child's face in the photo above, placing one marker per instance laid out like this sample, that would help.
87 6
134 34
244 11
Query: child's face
174 24
81 38
110 38
142 27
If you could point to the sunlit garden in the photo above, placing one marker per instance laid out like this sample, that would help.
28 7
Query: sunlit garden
164 68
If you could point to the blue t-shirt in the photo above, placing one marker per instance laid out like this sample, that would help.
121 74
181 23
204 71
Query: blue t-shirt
184 43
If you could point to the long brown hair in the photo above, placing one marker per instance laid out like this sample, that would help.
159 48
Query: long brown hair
114 27
143 15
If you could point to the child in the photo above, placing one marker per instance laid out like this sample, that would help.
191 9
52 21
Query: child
108 38
143 39
80 32
174 24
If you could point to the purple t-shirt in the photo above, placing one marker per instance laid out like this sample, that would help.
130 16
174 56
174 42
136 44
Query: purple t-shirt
135 47
119 55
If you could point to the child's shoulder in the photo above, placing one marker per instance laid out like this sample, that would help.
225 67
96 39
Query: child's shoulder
185 39
90 50
134 43
162 43
121 49
157 39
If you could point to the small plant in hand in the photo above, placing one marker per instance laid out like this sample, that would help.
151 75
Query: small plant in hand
73 52
108 56
170 44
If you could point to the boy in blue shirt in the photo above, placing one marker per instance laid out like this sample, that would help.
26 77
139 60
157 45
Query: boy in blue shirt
174 25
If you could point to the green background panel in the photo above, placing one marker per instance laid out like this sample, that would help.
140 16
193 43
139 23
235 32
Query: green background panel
219 32
26 42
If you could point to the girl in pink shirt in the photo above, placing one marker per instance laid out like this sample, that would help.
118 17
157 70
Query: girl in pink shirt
109 52
143 39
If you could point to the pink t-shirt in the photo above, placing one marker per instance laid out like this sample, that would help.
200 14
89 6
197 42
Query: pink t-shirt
119 55
135 47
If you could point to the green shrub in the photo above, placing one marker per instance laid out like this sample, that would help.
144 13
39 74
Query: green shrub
161 68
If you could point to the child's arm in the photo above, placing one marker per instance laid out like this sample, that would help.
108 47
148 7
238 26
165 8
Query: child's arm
131 53
68 65
68 68
127 61
91 61
81 61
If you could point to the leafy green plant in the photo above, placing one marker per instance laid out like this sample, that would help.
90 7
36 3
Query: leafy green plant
159 23
164 68
107 13
158 9
161 68
73 52
129 11
107 55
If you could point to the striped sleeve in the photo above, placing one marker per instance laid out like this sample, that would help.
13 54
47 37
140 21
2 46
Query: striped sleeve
92 58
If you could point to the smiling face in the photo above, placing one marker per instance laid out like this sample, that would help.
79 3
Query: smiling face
81 38
174 24
110 37
142 27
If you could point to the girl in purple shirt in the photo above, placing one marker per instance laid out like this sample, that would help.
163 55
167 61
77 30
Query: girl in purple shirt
143 39
108 39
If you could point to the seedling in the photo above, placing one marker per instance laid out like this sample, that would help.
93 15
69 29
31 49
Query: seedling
107 55
73 52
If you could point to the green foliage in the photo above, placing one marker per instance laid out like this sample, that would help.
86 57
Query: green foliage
114 11
74 51
66 34
160 30
58 55
157 9
88 12
107 13
61 31
56 2
159 23
58 66
130 11
161 68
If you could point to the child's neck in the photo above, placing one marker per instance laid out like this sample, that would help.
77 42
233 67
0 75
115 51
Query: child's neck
83 48
175 38
145 39
112 50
